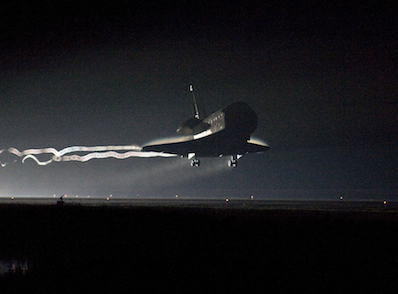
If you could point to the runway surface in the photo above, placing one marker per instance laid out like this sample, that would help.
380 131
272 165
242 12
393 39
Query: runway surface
226 203
183 245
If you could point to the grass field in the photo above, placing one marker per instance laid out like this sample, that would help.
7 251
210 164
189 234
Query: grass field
198 248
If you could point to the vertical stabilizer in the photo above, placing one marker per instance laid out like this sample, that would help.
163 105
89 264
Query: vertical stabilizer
199 111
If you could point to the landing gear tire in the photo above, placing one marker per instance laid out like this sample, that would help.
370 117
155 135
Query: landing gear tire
232 163
195 162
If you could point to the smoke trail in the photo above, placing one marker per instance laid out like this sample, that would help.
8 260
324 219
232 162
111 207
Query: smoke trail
71 149
112 154
1 163
94 152
35 159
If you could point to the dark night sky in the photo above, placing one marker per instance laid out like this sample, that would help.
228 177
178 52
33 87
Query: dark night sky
322 78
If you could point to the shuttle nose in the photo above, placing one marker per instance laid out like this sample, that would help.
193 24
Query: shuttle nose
241 117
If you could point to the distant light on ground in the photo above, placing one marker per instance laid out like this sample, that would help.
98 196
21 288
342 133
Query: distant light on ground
226 199
176 196
107 198
341 197
384 202
12 198
251 197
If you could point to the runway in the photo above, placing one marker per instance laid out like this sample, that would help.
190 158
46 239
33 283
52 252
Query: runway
185 245
227 203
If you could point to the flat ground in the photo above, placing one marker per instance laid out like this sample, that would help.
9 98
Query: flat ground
219 246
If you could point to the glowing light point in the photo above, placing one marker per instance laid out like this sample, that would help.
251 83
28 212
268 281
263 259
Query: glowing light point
226 199
77 196
251 197
54 195
107 199
110 196
341 197
384 202
176 196
88 196
12 198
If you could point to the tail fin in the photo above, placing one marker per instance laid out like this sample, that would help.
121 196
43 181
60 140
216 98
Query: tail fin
199 110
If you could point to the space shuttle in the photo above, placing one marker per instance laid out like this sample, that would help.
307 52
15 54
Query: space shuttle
226 132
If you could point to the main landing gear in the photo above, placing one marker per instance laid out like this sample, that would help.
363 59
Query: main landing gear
195 162
233 162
